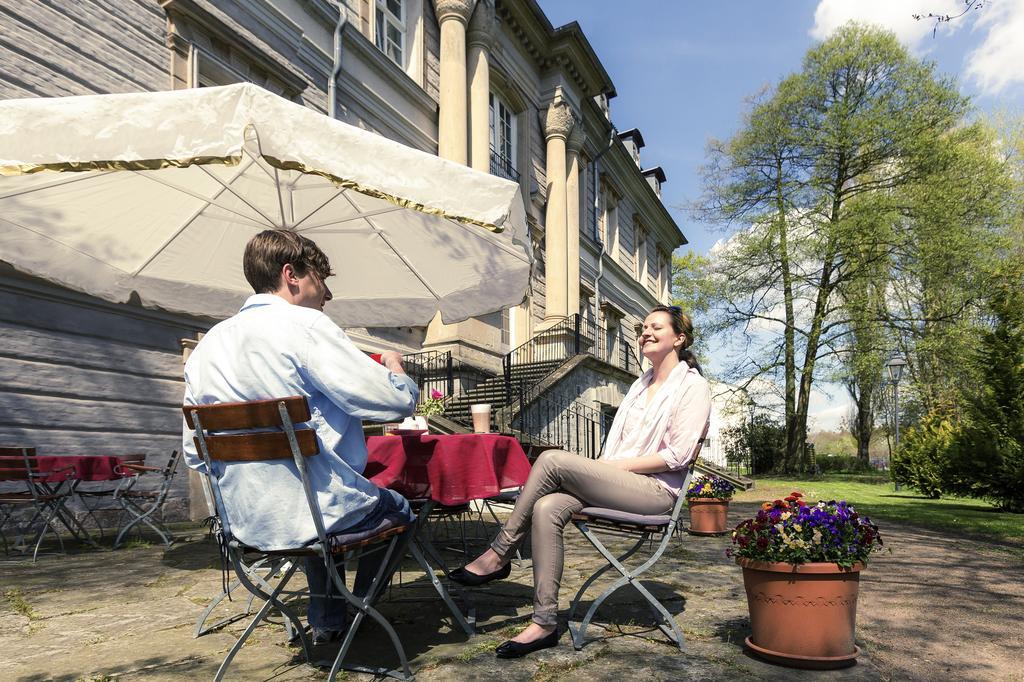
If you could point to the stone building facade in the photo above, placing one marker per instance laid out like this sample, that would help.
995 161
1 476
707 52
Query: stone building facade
488 83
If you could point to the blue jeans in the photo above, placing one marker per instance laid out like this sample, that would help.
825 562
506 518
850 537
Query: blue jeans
327 610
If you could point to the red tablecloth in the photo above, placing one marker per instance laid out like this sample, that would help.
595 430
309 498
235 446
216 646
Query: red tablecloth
451 469
86 467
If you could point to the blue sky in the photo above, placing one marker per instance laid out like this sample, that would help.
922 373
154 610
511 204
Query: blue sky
683 69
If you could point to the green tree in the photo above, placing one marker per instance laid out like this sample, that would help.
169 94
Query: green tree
992 464
825 150
954 230
692 287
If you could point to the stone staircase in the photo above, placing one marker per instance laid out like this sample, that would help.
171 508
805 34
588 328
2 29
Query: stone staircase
495 392
708 469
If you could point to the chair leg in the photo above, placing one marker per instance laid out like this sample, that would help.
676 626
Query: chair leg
90 512
628 577
365 609
271 601
579 632
127 507
142 515
42 533
71 522
201 627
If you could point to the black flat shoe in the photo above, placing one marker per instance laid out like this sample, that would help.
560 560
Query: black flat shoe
512 649
470 579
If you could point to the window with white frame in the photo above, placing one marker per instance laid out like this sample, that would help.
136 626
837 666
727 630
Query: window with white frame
503 139
665 276
641 254
389 33
611 224
588 311
612 334
216 64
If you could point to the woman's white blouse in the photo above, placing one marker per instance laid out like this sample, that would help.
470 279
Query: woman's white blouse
678 447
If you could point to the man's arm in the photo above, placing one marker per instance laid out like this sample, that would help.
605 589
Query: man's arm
188 447
354 382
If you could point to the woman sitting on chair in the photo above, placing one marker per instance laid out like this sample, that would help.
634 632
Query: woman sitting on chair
651 443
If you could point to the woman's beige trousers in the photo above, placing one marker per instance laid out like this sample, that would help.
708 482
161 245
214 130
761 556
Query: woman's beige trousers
560 484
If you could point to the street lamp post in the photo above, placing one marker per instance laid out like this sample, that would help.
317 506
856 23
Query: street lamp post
895 368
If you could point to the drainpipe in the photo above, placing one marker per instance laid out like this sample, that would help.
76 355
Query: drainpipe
332 87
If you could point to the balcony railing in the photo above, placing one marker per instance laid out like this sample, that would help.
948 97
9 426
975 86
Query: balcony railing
502 167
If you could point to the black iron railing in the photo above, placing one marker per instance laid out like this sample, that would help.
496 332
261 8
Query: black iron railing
559 420
567 423
502 167
439 371
571 337
431 370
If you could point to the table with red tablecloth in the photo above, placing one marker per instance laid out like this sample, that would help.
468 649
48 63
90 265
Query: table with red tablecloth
81 467
448 470
73 470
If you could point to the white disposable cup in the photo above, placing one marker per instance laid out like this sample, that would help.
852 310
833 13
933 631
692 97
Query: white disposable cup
481 417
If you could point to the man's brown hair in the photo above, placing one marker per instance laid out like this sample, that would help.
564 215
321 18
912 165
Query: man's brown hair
270 250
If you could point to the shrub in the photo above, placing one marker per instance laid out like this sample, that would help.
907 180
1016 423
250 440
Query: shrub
924 458
851 464
762 444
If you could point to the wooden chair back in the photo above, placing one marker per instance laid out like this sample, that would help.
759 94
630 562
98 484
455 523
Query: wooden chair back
17 469
18 464
17 452
252 446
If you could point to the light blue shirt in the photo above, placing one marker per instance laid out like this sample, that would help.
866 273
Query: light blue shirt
273 349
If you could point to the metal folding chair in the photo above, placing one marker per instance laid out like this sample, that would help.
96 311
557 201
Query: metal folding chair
143 506
223 434
270 567
93 497
46 504
653 528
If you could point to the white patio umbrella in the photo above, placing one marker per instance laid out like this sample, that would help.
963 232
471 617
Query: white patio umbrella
156 194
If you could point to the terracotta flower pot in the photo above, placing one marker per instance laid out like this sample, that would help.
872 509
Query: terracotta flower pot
802 615
708 515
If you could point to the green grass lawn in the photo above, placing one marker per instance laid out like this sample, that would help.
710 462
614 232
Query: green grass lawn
881 502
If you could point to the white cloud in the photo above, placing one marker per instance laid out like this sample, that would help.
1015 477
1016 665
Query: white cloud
894 15
827 411
998 62
994 65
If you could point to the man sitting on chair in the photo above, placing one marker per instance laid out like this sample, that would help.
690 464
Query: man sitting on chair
281 344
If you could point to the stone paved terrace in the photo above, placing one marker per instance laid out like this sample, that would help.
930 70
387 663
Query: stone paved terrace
933 609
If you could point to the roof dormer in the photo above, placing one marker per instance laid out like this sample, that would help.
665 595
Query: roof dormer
655 178
634 141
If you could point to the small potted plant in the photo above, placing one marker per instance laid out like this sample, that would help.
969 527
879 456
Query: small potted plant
432 405
801 570
708 499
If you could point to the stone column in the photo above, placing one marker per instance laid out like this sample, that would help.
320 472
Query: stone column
558 123
481 32
453 16
574 223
